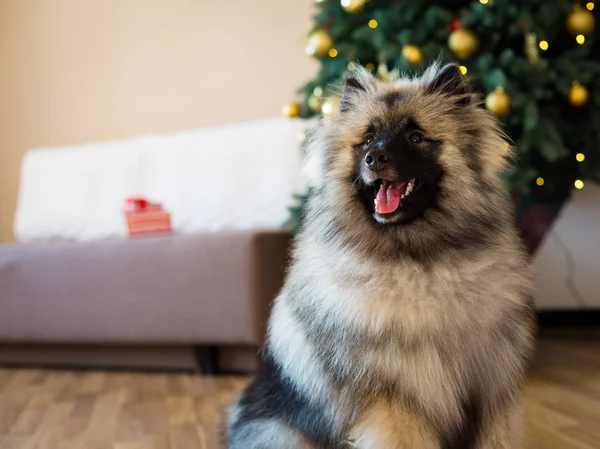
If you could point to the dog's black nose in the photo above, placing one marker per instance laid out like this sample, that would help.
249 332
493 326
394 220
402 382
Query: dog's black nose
377 159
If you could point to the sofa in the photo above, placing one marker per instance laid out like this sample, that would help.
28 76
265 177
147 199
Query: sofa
77 290
147 303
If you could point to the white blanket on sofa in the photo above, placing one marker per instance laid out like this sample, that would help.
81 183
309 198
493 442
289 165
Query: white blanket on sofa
239 176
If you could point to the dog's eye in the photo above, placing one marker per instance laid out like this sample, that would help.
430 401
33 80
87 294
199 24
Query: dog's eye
416 137
369 140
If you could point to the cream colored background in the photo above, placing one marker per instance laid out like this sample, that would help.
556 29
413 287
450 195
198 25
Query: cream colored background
74 71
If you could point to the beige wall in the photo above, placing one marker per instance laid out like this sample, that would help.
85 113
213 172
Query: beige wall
81 70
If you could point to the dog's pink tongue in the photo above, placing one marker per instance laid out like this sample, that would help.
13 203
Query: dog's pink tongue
388 197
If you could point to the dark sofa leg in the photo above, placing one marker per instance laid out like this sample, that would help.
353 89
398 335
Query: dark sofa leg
207 359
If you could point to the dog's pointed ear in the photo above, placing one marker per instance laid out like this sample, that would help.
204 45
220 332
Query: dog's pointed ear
354 88
450 81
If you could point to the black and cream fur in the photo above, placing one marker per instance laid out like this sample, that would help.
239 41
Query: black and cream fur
408 329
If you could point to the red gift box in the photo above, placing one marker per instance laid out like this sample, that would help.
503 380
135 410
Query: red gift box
146 218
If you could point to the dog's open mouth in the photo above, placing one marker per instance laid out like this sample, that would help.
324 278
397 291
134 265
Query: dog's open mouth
392 194
397 202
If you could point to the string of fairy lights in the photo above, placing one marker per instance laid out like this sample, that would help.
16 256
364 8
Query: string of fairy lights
580 23
463 43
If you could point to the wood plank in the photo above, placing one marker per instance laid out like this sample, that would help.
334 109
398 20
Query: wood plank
44 409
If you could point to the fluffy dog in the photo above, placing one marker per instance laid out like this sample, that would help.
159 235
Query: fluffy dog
404 322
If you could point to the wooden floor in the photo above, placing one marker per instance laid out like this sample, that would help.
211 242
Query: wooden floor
42 409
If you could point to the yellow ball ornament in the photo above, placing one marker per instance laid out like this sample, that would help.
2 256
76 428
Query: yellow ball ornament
319 43
352 6
463 43
498 102
315 103
578 95
412 54
290 110
580 21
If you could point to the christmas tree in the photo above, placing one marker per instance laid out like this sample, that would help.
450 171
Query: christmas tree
535 63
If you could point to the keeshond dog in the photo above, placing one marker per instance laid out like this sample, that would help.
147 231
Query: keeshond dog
404 321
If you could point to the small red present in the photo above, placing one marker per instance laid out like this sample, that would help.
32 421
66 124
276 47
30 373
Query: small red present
145 217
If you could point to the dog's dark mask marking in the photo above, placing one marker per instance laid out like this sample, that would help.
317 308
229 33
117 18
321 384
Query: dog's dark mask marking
407 161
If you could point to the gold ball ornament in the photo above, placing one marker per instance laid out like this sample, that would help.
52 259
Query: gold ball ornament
412 54
290 110
578 95
352 6
580 21
319 43
498 102
463 43
315 103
